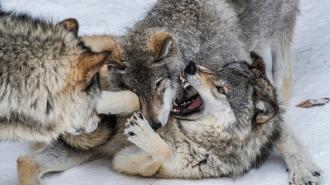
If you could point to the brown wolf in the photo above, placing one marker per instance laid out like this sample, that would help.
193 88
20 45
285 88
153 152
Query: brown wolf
48 84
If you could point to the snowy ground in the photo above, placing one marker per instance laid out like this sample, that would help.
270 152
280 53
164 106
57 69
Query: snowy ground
311 80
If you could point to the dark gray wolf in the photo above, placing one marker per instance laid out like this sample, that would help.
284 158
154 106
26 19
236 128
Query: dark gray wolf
158 47
48 84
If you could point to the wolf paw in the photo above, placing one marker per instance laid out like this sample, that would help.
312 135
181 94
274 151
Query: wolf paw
305 176
90 126
139 131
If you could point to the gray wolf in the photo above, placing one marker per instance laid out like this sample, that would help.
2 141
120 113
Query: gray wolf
45 74
239 125
156 49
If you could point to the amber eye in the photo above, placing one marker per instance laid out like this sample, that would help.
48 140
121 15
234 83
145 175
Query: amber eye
221 89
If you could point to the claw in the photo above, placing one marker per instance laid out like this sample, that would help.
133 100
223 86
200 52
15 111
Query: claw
140 115
131 134
316 174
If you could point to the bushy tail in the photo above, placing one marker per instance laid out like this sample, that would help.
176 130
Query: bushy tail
88 141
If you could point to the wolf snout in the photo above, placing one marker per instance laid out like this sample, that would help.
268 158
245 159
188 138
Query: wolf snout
191 68
156 125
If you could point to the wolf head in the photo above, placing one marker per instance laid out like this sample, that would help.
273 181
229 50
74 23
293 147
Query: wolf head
80 89
84 77
152 68
236 91
48 77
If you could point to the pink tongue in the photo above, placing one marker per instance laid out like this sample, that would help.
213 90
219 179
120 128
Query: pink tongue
195 104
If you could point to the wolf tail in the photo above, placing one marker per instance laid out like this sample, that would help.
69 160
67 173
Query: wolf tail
101 135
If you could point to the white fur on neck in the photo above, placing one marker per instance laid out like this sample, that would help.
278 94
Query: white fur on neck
220 110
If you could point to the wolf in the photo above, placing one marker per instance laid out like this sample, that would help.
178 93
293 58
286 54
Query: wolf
156 49
48 84
239 125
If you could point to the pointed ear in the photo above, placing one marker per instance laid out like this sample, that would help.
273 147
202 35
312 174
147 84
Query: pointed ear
258 63
99 43
161 44
89 63
70 25
266 109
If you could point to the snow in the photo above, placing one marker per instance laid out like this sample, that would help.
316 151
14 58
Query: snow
311 80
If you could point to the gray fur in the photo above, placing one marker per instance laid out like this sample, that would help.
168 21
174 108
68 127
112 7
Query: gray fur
37 100
205 145
216 34
231 29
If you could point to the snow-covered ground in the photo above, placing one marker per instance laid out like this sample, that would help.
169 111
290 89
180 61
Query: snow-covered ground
311 80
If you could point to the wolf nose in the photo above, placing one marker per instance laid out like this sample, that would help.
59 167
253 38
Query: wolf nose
156 125
190 68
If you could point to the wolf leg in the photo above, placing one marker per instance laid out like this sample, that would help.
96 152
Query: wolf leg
302 169
282 65
134 161
152 156
150 153
123 102
55 157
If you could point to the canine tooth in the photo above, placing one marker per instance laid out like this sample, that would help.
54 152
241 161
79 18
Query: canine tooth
186 85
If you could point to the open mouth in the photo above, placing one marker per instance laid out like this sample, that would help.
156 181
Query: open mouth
188 106
190 102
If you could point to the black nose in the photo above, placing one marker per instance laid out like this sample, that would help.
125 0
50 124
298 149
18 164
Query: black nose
190 68
156 125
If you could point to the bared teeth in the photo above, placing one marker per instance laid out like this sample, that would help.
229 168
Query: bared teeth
175 110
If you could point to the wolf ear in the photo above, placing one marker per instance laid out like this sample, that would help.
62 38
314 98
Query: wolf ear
266 109
99 43
89 63
71 25
160 45
258 63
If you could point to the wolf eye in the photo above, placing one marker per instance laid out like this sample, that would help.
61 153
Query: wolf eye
159 83
221 90
122 85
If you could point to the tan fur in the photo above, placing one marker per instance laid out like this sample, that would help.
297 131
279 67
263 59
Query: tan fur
112 102
285 90
27 170
136 163
88 141
38 145
156 42
17 132
84 67
100 43
104 76
70 24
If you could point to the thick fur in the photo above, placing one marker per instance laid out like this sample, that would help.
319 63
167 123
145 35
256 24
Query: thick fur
156 50
178 29
45 74
214 143
37 97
